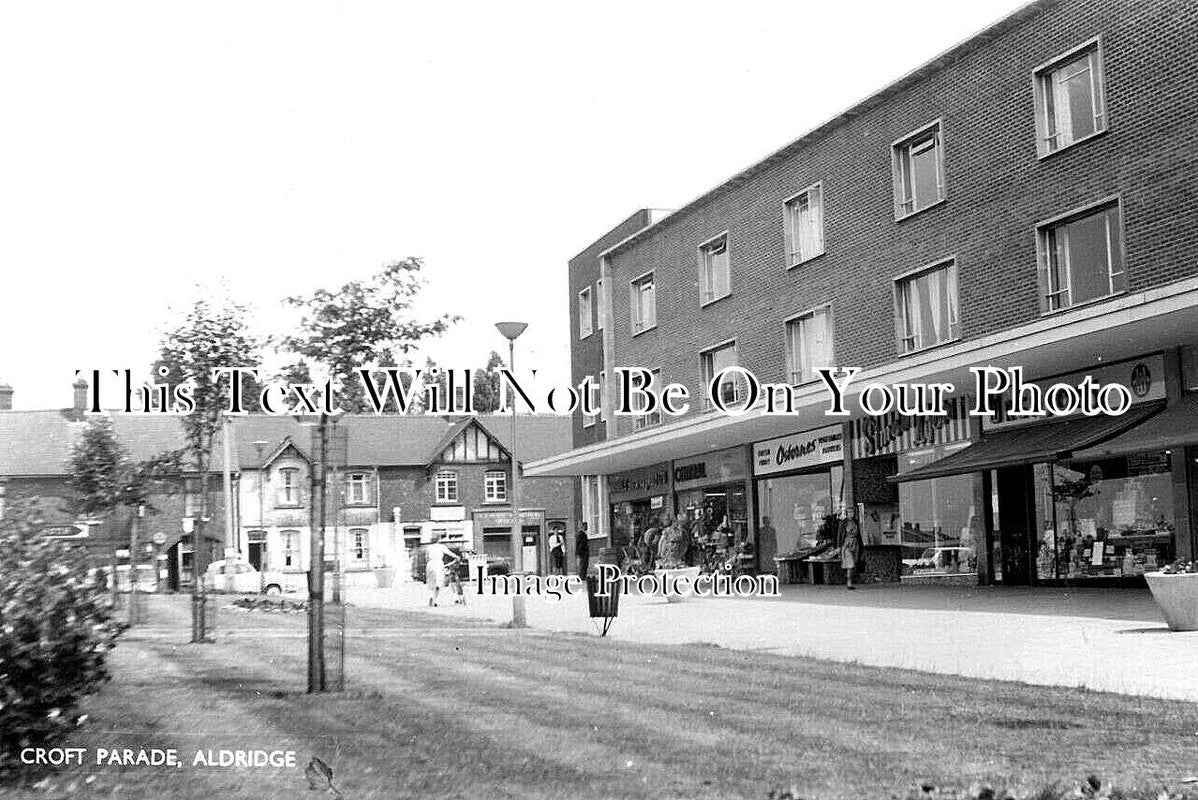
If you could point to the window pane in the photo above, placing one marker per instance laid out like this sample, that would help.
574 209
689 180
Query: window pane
1078 88
924 168
1089 263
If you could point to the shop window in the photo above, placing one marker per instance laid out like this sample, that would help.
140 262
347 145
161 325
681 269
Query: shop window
592 498
927 307
358 492
797 507
291 545
585 313
495 486
644 304
1081 258
447 487
918 162
359 539
646 420
1111 519
714 270
732 388
1070 106
804 215
808 344
938 532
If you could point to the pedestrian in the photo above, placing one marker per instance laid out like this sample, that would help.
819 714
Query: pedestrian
851 545
557 552
434 568
582 550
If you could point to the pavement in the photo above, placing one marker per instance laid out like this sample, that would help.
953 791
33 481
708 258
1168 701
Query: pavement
1103 639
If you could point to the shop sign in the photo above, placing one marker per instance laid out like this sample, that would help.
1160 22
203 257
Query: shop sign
799 450
722 466
1144 377
896 433
638 483
447 513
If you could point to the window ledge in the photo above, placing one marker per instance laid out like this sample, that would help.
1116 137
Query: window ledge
582 337
495 502
714 300
1083 304
803 261
652 327
909 215
926 348
1043 155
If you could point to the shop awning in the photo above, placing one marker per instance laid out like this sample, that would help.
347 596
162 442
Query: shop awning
1176 426
1031 444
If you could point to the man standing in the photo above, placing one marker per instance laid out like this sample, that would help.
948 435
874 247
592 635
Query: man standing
434 568
582 550
557 552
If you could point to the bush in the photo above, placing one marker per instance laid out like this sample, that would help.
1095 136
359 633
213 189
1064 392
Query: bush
55 631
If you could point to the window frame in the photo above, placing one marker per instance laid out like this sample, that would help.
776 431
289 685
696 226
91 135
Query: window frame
1041 91
586 322
900 149
600 304
359 544
286 487
900 308
350 482
451 493
290 555
706 378
654 418
809 313
592 508
634 306
490 496
705 249
788 209
589 420
1043 228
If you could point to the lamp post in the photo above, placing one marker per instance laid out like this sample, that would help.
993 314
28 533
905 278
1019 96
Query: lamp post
260 446
511 331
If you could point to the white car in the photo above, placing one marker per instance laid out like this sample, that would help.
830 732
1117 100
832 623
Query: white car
241 577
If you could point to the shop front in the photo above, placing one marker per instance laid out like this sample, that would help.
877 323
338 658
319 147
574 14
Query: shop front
799 483
711 491
637 499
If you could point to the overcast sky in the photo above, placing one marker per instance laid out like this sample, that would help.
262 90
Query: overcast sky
286 146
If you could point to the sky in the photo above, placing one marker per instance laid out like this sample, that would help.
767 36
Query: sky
151 151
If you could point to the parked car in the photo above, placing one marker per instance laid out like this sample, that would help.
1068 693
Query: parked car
945 559
241 577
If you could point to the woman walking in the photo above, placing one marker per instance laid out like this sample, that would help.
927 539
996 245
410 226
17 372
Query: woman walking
849 541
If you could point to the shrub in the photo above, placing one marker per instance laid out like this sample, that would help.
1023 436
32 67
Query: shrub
55 630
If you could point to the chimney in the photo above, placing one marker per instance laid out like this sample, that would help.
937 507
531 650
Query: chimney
5 397
80 387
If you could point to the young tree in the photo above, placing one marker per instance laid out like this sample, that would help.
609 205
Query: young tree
364 323
212 336
106 478
486 384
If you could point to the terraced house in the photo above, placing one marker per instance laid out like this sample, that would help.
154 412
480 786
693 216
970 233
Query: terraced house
1026 198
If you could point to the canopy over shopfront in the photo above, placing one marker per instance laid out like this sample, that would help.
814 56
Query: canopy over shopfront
1029 444
1176 426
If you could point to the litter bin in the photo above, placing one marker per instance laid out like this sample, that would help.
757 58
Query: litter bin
603 608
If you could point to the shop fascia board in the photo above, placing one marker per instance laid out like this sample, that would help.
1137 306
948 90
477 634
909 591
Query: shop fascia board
1124 327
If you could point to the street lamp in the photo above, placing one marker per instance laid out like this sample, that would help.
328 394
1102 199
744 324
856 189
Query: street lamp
260 446
511 331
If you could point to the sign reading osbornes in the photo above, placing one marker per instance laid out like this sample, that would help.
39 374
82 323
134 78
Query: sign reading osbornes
799 450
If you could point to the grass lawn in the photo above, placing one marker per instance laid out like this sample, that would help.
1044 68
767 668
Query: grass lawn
446 709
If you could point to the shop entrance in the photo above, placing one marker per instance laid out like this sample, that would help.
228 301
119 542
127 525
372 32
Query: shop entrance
1013 498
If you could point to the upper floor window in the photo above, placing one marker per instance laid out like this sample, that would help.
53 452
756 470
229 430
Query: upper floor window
597 392
586 313
927 307
808 344
1081 258
447 487
651 418
732 387
495 486
714 278
1070 104
359 539
918 162
644 304
359 488
804 225
289 489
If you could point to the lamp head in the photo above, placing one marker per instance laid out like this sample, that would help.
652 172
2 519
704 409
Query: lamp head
511 330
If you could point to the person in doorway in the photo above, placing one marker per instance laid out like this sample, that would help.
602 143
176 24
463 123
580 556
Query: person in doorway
557 553
435 568
767 546
582 550
850 544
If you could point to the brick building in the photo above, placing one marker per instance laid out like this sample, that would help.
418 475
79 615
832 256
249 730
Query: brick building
1024 199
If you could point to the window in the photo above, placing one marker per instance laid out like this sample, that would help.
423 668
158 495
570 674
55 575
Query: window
918 171
927 308
290 548
591 503
808 344
1081 258
447 487
289 491
714 281
359 539
732 388
1070 105
653 417
585 314
495 486
359 488
589 420
804 225
644 304
600 305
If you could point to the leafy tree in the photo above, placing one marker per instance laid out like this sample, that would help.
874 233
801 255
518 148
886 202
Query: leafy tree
486 384
106 478
364 323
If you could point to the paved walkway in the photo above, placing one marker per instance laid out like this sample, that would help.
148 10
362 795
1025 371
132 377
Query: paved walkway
1107 639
